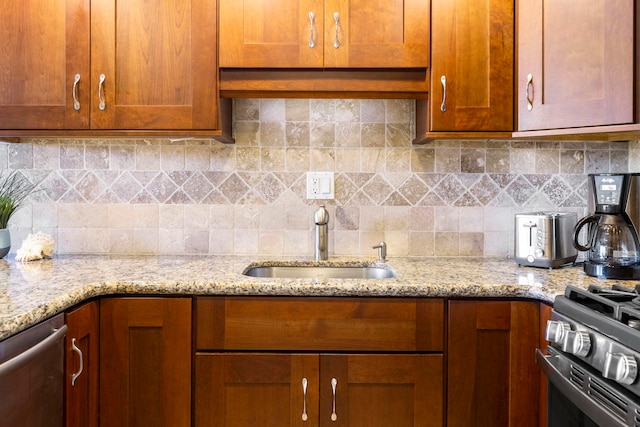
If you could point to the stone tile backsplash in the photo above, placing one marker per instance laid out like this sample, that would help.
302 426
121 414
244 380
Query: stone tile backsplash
198 196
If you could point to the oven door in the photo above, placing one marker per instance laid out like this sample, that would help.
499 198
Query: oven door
579 397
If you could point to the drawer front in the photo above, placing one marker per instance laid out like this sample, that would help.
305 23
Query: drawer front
319 324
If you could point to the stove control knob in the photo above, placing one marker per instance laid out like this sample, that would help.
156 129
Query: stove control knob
556 331
620 367
577 342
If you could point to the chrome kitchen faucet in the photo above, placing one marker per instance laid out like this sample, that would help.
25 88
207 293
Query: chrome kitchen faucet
321 219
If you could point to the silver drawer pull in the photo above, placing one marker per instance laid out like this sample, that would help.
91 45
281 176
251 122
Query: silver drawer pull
305 417
101 103
336 17
74 92
526 91
75 348
443 106
334 385
312 17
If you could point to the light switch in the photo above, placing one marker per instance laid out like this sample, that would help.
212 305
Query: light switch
320 185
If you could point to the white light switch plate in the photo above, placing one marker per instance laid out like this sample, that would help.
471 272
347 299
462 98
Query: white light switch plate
320 185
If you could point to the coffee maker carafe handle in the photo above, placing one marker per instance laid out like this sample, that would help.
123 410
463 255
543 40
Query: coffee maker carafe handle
592 219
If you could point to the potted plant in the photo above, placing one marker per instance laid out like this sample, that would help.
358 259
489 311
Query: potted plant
14 189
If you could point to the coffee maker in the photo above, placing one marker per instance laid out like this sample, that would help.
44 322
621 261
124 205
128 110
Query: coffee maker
612 246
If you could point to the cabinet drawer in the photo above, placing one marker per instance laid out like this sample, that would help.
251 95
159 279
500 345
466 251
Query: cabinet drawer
319 324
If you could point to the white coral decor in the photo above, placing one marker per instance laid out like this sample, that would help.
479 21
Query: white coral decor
35 246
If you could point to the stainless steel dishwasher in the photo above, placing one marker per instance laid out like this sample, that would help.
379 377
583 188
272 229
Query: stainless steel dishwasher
32 376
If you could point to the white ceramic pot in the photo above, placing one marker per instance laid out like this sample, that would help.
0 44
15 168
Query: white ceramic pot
5 242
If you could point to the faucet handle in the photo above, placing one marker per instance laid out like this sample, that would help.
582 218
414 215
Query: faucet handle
382 251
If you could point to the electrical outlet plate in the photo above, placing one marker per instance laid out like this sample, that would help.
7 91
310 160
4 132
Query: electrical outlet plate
320 185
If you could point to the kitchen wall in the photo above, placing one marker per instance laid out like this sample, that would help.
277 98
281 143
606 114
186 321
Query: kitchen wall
198 196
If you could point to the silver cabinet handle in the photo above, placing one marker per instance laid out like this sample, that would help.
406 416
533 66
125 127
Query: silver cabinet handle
101 104
312 17
334 385
305 417
443 106
74 92
526 90
336 17
75 348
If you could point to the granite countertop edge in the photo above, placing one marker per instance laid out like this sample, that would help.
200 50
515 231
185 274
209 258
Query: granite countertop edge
34 291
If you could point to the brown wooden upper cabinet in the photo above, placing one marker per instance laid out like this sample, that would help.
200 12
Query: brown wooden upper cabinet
575 63
324 34
107 65
472 65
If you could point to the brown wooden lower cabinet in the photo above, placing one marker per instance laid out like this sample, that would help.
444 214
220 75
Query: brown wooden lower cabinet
145 362
81 366
267 389
492 376
385 356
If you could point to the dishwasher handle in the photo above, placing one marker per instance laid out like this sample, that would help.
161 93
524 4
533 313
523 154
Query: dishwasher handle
27 355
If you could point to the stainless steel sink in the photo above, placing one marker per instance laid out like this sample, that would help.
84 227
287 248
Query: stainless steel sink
316 271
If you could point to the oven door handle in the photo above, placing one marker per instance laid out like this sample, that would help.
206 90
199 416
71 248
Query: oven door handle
585 404
22 358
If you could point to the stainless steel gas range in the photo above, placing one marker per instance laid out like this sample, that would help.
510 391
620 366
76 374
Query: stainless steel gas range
593 357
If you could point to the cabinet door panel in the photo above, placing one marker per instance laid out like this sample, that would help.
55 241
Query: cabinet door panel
255 389
382 390
472 50
82 392
580 58
492 375
38 62
145 362
271 33
158 59
376 34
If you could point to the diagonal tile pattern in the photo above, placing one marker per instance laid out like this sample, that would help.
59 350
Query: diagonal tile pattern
452 197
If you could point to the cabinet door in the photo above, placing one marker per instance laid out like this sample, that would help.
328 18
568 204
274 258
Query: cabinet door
145 362
255 389
575 63
381 390
472 65
271 33
376 33
159 63
82 366
44 46
492 376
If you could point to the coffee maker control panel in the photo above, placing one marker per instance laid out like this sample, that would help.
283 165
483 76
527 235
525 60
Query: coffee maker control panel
609 191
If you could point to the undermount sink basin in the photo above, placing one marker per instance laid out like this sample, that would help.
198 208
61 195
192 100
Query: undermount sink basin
316 271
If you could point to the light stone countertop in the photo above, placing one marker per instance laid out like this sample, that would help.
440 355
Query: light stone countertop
33 291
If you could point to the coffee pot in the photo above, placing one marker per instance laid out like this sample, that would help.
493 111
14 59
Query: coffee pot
612 245
611 240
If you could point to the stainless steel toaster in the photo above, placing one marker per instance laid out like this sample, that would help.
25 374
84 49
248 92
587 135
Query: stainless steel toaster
545 239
